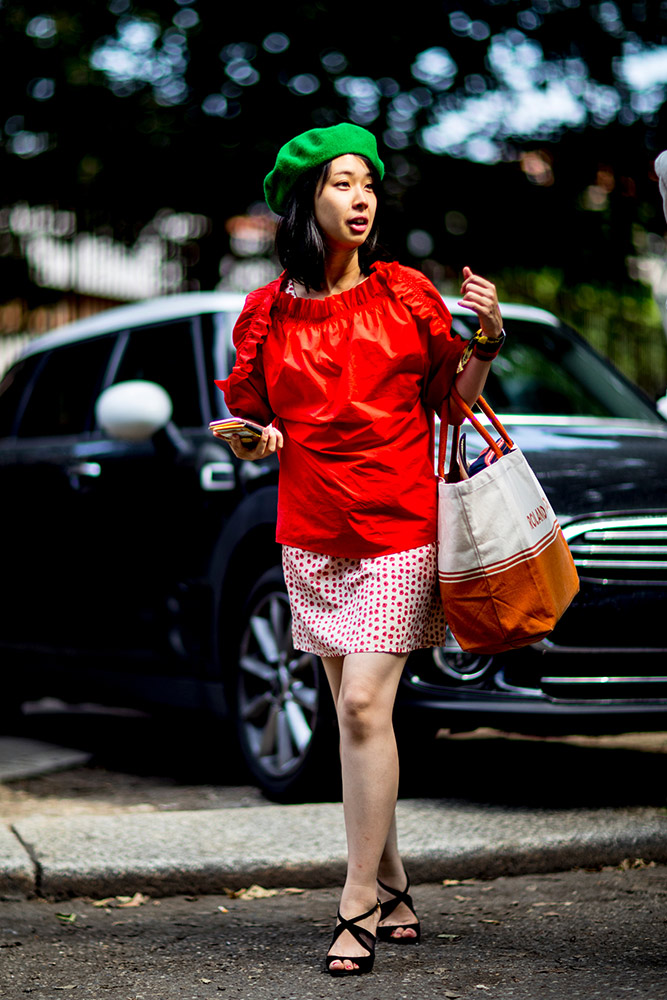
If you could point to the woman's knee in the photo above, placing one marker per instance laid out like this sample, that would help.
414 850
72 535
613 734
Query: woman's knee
360 714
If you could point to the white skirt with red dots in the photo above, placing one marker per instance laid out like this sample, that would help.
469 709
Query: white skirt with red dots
387 604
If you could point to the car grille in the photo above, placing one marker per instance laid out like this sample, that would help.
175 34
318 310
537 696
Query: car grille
624 550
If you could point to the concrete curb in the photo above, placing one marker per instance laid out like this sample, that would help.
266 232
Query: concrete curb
304 845
17 871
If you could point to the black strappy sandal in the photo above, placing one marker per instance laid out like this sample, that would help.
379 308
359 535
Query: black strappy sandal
388 907
366 940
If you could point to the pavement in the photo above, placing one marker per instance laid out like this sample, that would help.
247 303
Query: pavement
208 851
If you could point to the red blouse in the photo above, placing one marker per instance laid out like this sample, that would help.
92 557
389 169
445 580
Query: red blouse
353 380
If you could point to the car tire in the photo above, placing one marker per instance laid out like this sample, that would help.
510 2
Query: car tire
284 714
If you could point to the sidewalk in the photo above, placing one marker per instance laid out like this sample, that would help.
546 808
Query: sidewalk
303 845
206 851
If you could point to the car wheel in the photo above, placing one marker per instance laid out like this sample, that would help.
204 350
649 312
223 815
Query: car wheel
284 713
459 665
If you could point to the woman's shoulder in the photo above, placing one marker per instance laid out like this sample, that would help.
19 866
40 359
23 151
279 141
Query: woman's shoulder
412 286
260 296
397 274
396 270
254 318
256 309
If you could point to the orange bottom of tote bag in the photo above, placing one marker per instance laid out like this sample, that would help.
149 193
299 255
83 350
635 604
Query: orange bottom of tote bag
506 573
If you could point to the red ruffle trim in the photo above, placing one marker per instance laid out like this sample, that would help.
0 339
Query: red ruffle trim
410 286
251 331
419 294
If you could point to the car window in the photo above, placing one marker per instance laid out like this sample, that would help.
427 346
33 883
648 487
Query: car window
65 389
549 371
165 354
12 390
530 379
217 334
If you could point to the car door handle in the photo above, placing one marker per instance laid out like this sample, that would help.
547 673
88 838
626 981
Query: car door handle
217 475
90 469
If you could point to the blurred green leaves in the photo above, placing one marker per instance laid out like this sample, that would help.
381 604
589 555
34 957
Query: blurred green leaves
118 110
623 324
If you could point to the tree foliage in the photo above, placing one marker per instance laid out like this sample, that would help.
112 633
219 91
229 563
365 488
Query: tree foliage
117 111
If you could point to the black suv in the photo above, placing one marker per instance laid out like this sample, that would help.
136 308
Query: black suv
140 565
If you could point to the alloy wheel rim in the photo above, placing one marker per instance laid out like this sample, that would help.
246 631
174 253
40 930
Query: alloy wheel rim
278 693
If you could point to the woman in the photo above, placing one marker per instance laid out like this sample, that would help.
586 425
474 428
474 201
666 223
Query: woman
344 361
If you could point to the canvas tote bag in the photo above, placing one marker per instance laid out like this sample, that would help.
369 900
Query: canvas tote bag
506 573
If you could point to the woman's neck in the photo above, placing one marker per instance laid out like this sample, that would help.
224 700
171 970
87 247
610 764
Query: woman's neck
341 272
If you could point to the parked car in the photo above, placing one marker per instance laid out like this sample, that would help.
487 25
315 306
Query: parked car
140 565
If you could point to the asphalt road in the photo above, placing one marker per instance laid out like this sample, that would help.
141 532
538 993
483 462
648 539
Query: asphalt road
579 934
596 933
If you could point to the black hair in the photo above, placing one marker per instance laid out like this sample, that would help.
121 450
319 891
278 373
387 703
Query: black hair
299 242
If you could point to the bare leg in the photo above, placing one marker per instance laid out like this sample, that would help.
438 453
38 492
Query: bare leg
364 689
390 869
392 873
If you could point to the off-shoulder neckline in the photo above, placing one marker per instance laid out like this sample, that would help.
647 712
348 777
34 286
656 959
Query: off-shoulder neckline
374 284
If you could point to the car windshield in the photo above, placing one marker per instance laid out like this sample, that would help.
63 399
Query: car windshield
549 371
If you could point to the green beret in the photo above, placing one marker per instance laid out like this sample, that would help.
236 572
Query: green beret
310 149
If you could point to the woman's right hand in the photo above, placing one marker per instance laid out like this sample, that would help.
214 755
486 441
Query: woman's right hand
269 442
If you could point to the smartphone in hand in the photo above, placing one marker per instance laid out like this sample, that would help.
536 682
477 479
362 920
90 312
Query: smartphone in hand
247 430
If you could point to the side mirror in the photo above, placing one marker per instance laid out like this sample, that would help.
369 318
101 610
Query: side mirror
134 410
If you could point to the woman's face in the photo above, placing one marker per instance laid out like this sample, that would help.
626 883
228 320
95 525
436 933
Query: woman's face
345 203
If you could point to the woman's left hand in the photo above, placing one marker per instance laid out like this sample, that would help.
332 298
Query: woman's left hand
481 297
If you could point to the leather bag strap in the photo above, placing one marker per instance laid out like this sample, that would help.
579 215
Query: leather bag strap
479 427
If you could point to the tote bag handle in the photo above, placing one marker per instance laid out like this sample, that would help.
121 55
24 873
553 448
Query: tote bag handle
479 427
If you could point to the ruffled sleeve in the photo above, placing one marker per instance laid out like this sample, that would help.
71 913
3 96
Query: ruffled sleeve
442 348
245 388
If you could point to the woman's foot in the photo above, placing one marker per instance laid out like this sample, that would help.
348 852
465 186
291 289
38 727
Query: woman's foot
352 949
398 920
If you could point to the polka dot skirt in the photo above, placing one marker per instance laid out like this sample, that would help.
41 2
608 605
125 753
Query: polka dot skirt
388 604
